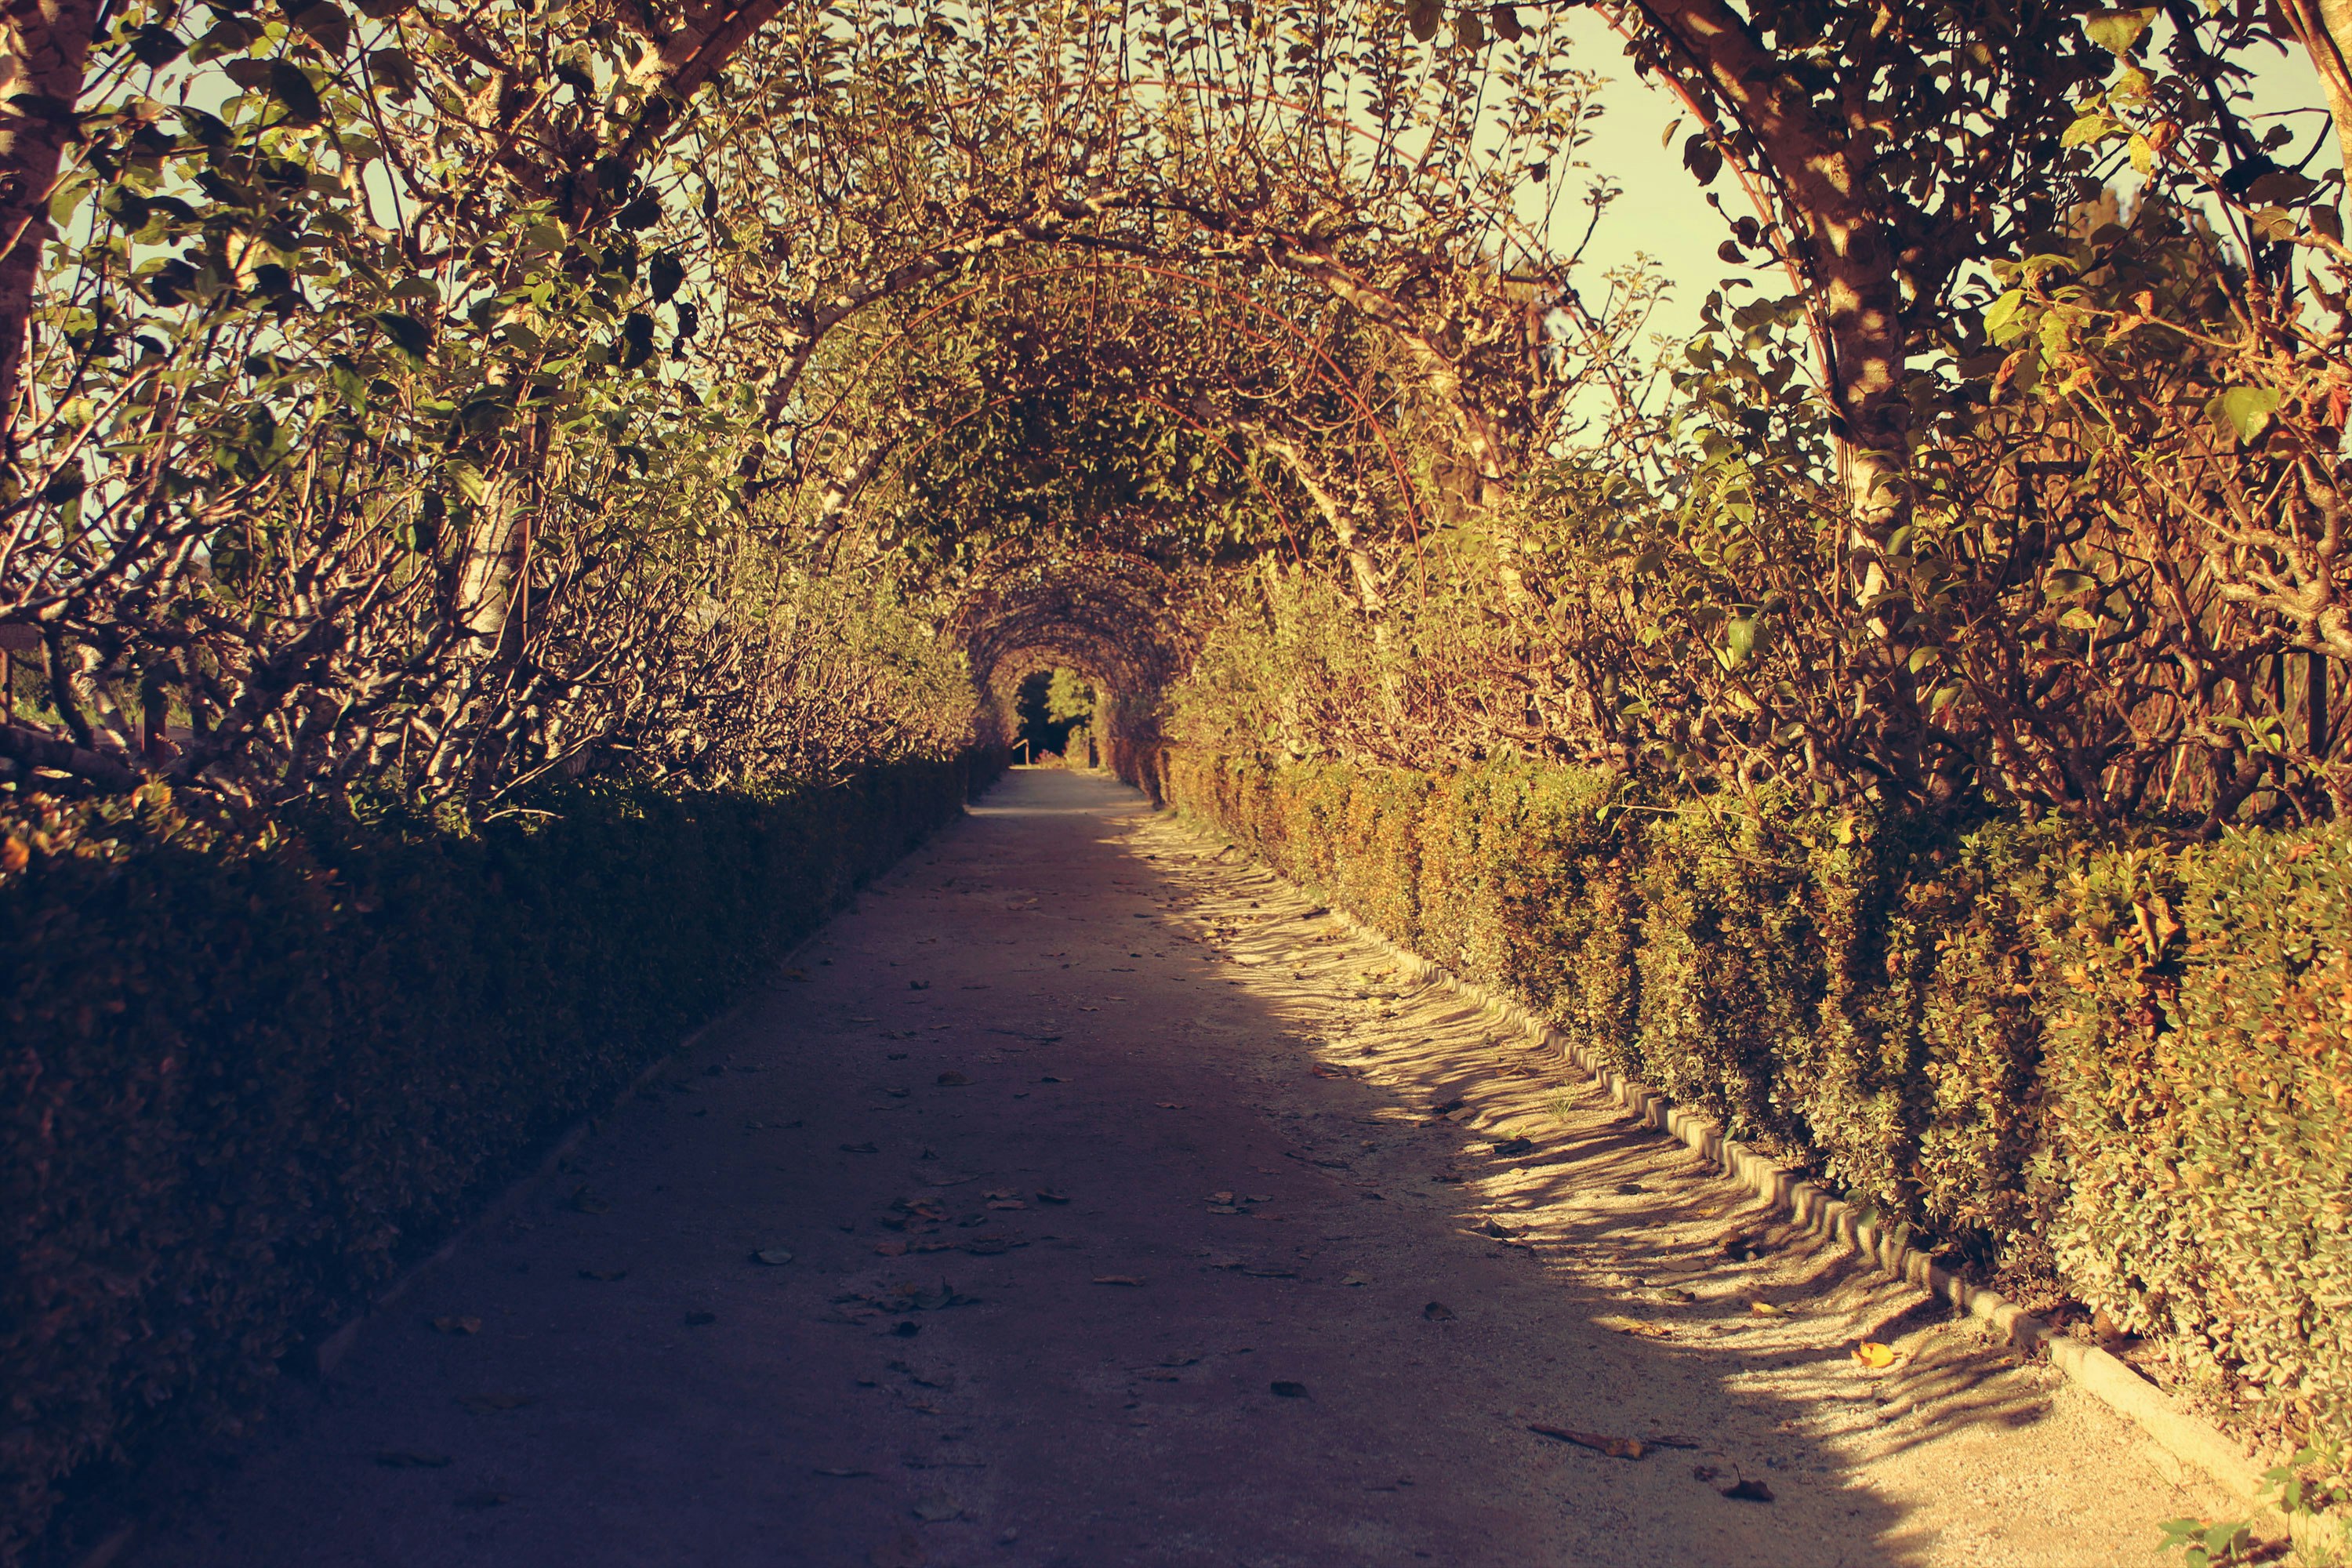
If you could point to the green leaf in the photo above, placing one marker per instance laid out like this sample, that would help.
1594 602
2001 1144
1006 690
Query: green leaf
664 275
292 88
469 481
2245 410
1424 18
156 47
2117 31
393 71
409 335
1702 157
323 21
1740 641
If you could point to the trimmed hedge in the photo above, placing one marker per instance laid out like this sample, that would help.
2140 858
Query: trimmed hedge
248 1076
2109 1069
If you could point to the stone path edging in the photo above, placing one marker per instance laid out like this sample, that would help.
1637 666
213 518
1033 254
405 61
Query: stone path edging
2186 1437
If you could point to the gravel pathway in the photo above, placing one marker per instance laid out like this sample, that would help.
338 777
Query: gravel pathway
1084 1197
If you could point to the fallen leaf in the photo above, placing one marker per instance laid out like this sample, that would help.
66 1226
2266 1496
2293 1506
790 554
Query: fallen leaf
1873 1355
1449 1108
607 1275
796 974
1116 1279
840 1472
891 1249
587 1202
1170 1105
951 1080
485 1500
1287 1390
1049 1077
458 1325
1768 1309
1355 1280
1748 1490
1226 1208
938 1509
1617 1323
1046 1197
776 1257
1445 1176
409 1460
1221 1197
1615 1448
1008 1204
483 1403
918 985
700 1319
1438 1312
1704 1472
1511 1146
859 1149
906 1331
1629 1188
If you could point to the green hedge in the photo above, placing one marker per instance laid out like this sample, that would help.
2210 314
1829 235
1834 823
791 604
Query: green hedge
2107 1067
248 1076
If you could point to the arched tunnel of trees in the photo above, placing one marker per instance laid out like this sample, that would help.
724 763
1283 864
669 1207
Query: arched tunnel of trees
444 437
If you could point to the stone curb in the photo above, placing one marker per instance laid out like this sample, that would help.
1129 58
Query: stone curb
2185 1438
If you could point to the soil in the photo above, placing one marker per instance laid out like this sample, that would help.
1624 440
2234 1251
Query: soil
1084 1196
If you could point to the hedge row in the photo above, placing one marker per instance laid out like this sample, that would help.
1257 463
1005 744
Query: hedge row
246 1077
2116 1069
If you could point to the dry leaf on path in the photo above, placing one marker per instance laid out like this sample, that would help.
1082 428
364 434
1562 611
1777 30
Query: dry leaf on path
1877 1357
1355 1280
1748 1490
1509 1147
1615 1448
859 1149
774 1257
607 1276
938 1509
1618 1323
1766 1310
1116 1279
411 1459
1438 1312
587 1202
1050 1197
1285 1389
484 1403
455 1325
485 1500
951 1080
891 1249
840 1471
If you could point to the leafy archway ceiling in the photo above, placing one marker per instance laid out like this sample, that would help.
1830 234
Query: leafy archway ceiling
1078 285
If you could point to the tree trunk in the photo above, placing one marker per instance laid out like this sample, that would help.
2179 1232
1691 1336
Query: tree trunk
2325 27
44 45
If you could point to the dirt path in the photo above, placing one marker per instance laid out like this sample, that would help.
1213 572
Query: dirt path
1113 1239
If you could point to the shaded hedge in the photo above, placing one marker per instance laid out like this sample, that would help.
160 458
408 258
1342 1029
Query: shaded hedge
246 1077
2119 1070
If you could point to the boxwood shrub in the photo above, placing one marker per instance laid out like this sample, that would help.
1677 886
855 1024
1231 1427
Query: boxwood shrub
249 1073
2104 1070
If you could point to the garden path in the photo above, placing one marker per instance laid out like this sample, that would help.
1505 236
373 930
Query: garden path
1124 1228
